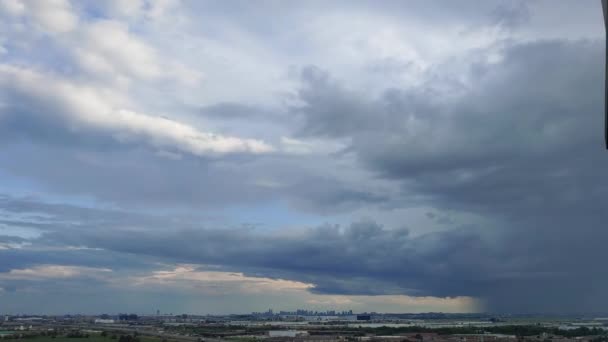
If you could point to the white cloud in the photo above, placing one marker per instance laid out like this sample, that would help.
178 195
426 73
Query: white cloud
295 146
108 47
108 50
159 8
217 281
44 272
83 109
213 283
126 8
12 7
311 146
50 16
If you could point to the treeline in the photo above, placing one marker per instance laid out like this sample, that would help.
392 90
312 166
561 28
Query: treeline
52 334
517 330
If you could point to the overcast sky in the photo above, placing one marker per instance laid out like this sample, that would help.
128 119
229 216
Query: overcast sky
232 156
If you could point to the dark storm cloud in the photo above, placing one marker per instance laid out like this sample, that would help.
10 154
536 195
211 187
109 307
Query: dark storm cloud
524 125
326 195
329 109
363 258
522 144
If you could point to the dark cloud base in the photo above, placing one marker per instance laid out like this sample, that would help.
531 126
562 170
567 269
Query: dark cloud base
520 144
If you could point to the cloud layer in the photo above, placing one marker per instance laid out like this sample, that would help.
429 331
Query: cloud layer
405 157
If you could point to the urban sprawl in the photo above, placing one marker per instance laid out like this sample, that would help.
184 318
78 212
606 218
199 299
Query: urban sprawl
303 326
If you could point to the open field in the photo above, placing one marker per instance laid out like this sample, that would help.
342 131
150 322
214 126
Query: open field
91 338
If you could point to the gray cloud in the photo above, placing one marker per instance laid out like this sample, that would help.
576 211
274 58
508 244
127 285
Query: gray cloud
363 258
237 111
492 123
512 15
522 144
496 145
352 260
545 193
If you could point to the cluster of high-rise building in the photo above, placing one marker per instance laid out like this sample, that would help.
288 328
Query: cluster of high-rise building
303 312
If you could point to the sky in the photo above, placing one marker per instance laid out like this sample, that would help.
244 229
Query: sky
235 156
